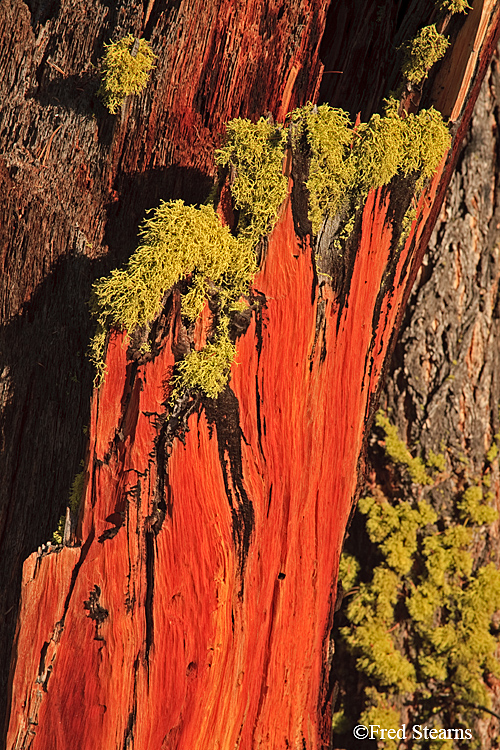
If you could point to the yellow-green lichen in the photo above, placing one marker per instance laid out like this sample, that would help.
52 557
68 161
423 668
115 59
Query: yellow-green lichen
206 370
475 506
329 134
76 492
57 536
425 49
177 242
347 162
183 243
455 6
420 623
255 154
125 69
398 452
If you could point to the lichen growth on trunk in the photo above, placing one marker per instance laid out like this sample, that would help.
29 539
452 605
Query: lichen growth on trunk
425 49
177 242
255 154
124 73
184 243
419 624
347 162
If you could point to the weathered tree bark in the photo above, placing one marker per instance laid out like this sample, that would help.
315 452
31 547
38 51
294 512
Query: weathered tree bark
196 609
443 387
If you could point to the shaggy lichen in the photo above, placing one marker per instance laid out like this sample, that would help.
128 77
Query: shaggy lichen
125 69
329 135
398 452
75 497
177 242
255 154
206 370
347 162
425 49
76 492
455 6
420 624
184 243
58 534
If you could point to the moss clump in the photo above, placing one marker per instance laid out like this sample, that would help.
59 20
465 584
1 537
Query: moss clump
398 452
347 162
177 242
255 152
427 47
76 492
124 73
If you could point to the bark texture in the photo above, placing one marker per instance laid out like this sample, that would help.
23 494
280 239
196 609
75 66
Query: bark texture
196 606
443 388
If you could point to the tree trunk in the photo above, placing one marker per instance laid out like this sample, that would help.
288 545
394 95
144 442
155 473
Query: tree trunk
196 605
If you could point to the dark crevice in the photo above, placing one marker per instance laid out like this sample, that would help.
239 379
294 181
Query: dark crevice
43 654
96 612
224 413
128 737
150 581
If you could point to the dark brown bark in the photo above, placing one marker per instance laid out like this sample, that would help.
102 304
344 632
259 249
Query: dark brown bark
443 389
74 197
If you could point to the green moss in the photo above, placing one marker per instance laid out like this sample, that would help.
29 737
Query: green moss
124 73
255 152
427 47
76 492
397 450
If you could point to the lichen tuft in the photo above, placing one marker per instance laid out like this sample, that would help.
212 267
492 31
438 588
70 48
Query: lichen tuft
124 73
425 49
